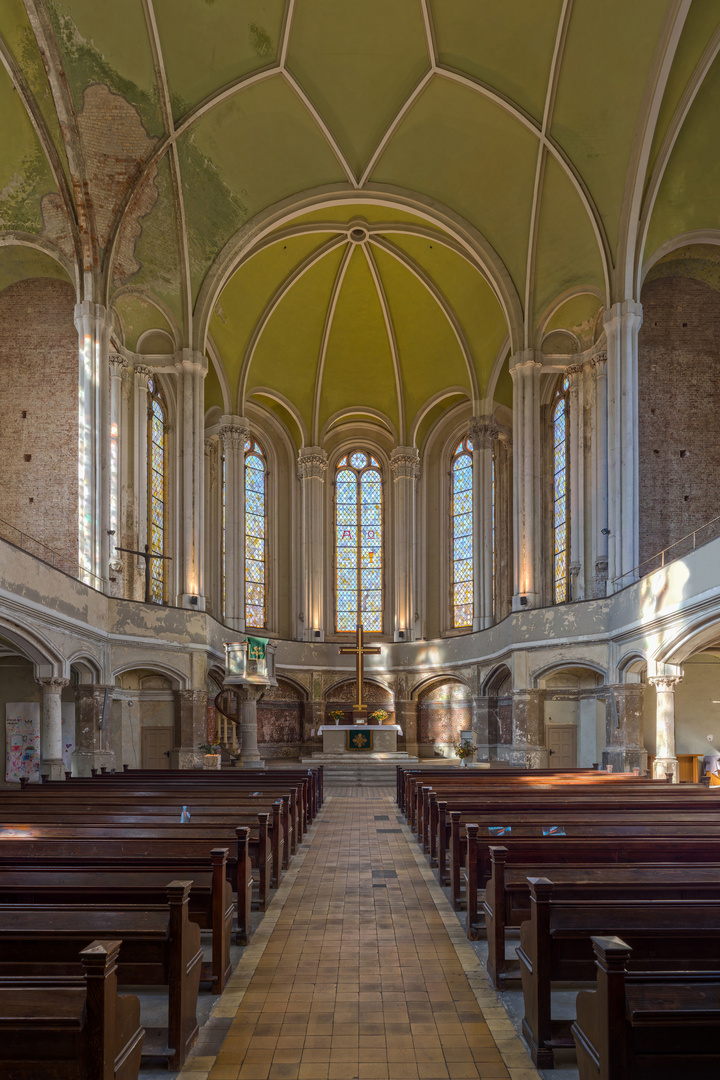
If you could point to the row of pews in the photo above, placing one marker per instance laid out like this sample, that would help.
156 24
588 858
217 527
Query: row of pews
110 881
613 880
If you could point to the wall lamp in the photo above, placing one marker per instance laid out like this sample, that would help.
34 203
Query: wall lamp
523 601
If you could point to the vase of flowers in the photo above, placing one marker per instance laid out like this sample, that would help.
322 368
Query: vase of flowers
465 750
336 716
212 758
378 717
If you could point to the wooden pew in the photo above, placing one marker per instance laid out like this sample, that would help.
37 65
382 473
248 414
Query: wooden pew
74 1027
555 946
646 1024
210 906
160 947
507 894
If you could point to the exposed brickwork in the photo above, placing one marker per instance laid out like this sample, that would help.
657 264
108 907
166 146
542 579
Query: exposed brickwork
443 713
679 404
39 376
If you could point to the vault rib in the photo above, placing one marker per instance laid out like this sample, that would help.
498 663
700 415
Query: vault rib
329 316
392 339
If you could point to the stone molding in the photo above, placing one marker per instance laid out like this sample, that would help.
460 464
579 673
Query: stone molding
405 463
117 361
53 685
664 684
312 463
233 436
483 431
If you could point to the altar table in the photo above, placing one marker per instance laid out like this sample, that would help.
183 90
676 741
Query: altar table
383 737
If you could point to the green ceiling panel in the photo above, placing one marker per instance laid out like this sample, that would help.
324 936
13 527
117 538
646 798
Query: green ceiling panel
137 314
282 414
578 314
213 389
511 52
567 251
433 415
459 148
358 62
108 43
157 248
208 45
25 175
21 262
504 387
358 363
688 195
430 355
250 289
473 300
608 56
372 213
287 354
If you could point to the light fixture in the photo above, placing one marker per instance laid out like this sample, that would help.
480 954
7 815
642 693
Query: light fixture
605 532
523 601
193 601
317 633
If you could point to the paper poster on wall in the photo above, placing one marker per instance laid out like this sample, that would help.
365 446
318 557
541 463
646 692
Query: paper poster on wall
22 735
68 733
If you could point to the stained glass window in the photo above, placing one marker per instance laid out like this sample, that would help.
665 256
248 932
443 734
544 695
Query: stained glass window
358 543
461 518
561 515
255 536
156 490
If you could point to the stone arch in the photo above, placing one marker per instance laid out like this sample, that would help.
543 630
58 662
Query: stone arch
177 680
580 675
499 680
46 659
444 711
85 668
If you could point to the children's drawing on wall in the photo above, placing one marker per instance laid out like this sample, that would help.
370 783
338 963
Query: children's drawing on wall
22 727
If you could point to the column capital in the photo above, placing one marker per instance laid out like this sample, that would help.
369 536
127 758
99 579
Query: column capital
312 463
143 372
664 683
117 362
191 360
234 431
524 361
51 684
405 463
626 310
482 432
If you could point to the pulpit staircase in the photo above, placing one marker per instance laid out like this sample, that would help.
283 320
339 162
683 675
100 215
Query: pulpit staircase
226 726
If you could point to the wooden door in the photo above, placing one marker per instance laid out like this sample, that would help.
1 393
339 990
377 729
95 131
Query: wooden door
157 742
562 744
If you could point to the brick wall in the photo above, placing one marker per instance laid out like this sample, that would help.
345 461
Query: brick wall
39 378
679 407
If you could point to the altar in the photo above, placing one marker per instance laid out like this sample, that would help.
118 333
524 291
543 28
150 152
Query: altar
359 738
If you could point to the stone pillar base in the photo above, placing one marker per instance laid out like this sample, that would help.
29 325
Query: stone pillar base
186 759
84 761
53 768
490 752
662 766
249 763
625 758
412 749
524 757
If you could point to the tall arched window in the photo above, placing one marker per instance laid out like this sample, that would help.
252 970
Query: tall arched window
461 515
358 543
157 482
561 502
255 536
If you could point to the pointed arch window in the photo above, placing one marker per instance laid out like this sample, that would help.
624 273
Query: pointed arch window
255 536
461 516
157 487
561 508
358 543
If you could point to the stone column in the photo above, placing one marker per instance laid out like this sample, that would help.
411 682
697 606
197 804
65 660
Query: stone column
191 368
118 365
93 325
212 517
576 396
622 323
93 737
234 432
190 729
624 729
405 468
665 758
483 432
600 477
247 698
525 372
51 760
312 466
503 526
528 748
406 715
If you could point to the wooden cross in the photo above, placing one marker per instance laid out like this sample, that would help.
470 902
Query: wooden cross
359 650
147 555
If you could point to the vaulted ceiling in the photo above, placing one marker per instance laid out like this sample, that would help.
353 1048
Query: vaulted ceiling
355 206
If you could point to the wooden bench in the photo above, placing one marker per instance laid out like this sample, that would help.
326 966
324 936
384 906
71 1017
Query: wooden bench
160 947
556 946
507 895
74 1027
646 1024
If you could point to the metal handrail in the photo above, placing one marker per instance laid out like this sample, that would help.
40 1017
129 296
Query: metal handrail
691 539
40 550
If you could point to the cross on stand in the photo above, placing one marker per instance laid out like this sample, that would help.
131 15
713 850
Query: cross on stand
359 651
148 556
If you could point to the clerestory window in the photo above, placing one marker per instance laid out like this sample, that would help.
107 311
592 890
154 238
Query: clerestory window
358 543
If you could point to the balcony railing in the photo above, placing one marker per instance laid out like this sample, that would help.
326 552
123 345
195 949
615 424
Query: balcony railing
46 554
684 546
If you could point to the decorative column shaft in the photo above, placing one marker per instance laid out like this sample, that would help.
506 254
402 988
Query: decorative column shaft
234 432
525 372
93 731
600 477
118 365
622 323
213 524
93 326
190 728
483 432
503 526
312 466
665 757
247 698
191 370
405 467
624 729
576 566
51 759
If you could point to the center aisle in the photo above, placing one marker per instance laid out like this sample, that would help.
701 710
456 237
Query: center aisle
359 977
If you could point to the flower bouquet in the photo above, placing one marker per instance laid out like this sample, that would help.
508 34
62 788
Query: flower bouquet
378 717
465 750
336 715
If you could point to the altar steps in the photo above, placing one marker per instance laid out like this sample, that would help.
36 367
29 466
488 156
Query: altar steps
372 770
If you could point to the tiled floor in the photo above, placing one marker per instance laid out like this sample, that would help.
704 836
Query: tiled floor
360 971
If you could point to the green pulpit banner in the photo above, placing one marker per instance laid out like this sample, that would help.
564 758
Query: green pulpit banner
359 740
256 647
